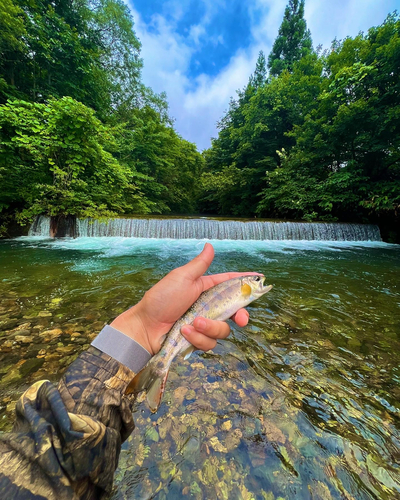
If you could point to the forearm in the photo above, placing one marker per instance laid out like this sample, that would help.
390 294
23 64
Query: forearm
66 440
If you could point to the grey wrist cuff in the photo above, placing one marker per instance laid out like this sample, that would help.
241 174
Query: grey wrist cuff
122 348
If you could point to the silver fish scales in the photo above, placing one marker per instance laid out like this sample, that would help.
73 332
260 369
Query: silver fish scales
219 303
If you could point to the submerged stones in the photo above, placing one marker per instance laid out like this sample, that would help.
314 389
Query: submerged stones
45 314
51 334
301 403
33 345
30 366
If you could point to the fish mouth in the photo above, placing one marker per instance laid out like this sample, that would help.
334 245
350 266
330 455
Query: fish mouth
264 288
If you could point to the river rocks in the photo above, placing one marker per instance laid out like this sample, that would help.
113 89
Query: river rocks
227 425
65 362
25 339
216 444
21 370
91 317
23 327
74 328
66 349
7 346
20 333
11 406
80 341
45 314
49 357
272 432
30 366
8 324
56 301
51 334
233 439
14 375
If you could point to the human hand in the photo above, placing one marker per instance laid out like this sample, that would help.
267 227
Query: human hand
149 320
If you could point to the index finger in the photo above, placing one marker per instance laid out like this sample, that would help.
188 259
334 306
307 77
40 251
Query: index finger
215 279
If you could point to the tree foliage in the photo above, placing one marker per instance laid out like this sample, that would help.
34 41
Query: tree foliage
79 132
317 138
349 145
293 41
61 162
259 77
320 141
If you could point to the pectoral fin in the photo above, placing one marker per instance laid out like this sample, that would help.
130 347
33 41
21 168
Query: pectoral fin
187 352
246 290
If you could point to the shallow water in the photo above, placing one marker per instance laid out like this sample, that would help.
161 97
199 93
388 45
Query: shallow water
303 403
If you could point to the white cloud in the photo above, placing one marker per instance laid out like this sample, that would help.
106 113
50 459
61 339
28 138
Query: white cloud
196 32
197 104
327 19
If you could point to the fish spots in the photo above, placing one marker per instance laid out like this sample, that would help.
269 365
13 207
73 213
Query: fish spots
173 342
246 290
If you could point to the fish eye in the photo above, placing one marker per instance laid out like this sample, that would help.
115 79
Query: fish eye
257 278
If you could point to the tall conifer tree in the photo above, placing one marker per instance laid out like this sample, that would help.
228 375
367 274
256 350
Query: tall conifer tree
258 78
293 40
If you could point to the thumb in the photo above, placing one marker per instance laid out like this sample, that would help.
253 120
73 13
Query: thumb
199 265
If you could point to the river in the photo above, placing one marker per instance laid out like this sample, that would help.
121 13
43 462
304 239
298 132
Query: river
303 403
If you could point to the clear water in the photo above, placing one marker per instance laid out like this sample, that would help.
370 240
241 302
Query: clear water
303 403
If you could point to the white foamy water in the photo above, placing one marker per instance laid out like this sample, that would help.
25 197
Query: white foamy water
117 246
215 229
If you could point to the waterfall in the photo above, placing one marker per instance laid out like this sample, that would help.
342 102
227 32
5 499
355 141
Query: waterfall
40 226
216 229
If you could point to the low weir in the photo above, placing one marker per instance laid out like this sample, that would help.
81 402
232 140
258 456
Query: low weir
214 229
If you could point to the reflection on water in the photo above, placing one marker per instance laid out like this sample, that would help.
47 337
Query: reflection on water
303 403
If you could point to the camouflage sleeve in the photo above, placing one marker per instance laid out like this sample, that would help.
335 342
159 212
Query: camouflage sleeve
66 441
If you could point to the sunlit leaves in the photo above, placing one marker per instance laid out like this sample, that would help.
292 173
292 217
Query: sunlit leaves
336 116
56 160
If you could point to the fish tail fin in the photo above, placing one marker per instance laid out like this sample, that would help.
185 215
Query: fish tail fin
153 382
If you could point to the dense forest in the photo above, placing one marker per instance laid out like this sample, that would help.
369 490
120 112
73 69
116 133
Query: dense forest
80 133
314 135
318 138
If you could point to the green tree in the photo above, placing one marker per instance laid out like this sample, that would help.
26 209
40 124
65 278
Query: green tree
56 156
85 49
345 163
293 41
119 53
12 47
248 146
56 160
259 77
167 167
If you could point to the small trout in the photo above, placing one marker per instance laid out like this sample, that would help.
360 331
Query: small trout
219 302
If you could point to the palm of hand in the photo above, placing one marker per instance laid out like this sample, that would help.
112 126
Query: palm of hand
170 298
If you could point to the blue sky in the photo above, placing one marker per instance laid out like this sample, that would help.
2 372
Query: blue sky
201 51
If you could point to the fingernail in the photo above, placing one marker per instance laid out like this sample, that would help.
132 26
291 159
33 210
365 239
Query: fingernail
201 324
187 329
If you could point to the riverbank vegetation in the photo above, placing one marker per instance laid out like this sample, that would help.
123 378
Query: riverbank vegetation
317 139
80 133
314 135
